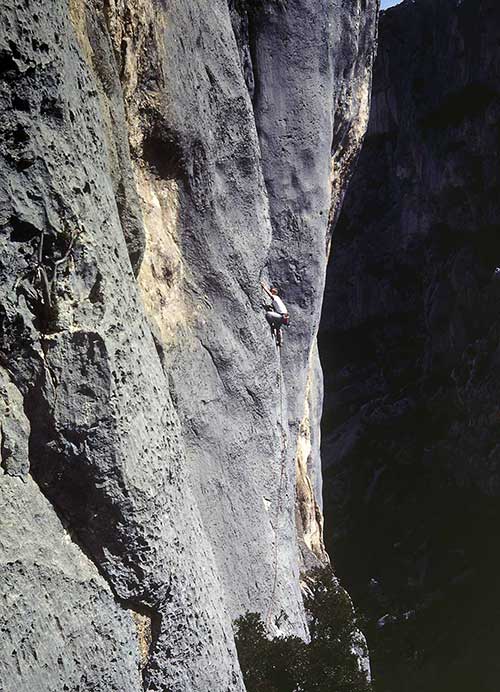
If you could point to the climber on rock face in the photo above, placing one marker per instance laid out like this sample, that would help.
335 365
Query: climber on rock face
276 313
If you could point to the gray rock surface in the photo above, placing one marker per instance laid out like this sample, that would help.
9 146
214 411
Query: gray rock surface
52 593
143 198
105 440
409 344
14 429
309 134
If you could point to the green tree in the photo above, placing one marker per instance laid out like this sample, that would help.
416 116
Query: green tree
287 664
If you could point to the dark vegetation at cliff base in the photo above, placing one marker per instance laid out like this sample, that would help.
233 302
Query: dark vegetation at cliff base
287 664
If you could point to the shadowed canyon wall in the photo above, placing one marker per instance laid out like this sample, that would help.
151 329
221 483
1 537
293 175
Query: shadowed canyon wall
160 463
409 344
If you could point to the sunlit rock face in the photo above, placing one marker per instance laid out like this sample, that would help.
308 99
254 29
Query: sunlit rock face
158 161
409 345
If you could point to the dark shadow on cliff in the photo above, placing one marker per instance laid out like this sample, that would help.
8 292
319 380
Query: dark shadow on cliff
409 344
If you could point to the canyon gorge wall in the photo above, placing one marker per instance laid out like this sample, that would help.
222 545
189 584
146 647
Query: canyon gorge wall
409 344
160 461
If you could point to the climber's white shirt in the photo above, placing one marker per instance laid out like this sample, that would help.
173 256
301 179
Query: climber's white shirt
279 305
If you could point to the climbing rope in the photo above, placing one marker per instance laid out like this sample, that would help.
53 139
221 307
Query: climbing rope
284 447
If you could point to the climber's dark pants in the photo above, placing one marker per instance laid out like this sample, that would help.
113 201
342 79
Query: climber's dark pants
275 322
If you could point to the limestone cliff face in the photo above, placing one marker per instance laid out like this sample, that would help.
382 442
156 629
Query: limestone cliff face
159 161
410 349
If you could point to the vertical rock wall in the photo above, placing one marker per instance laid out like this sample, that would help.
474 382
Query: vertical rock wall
311 83
144 196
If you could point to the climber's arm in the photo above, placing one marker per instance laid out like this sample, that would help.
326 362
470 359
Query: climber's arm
266 289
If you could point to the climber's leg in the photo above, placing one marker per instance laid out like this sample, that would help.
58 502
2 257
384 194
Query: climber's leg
274 321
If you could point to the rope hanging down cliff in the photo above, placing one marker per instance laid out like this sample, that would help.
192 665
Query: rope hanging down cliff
284 447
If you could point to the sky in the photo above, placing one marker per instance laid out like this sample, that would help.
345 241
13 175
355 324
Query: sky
389 3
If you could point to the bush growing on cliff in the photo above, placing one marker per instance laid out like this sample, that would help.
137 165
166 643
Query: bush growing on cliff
287 664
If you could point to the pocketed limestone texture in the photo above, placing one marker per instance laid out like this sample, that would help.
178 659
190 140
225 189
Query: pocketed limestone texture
155 169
